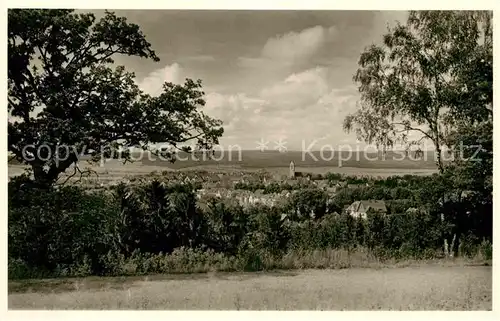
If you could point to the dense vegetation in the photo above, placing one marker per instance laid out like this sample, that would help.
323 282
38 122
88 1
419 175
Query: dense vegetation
160 226
434 75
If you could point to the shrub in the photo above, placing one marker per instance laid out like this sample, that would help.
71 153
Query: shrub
18 269
158 217
51 228
336 231
267 230
155 225
226 226
333 177
307 203
486 250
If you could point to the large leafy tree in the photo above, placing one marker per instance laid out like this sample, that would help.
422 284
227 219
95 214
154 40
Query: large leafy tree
430 77
433 77
65 94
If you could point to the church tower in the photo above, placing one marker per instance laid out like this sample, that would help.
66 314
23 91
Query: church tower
292 170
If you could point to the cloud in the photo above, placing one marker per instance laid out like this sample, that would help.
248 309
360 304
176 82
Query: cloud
289 49
294 46
199 58
233 110
153 82
282 92
300 108
299 89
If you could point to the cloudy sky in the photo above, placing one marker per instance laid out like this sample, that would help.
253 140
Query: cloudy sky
267 74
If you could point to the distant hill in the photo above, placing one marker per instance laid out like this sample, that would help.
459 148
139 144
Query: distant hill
268 159
252 159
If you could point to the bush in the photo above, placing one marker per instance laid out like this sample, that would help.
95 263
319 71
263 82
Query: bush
252 259
158 217
468 246
226 226
308 203
333 177
486 250
412 233
54 228
155 225
267 230
18 269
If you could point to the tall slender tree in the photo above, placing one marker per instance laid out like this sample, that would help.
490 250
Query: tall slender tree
427 77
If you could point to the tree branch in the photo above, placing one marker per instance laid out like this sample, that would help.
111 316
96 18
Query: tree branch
408 128
86 172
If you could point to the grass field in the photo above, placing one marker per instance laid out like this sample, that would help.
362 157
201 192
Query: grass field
425 287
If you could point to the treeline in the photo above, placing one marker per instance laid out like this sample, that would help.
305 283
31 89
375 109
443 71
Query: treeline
159 226
271 188
383 185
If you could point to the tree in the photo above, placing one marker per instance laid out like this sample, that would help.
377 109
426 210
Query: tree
428 77
60 64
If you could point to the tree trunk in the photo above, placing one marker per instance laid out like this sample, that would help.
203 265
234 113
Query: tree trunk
452 247
48 178
445 241
40 175
439 164
439 161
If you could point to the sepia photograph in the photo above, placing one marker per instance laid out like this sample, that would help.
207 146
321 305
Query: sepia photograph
333 160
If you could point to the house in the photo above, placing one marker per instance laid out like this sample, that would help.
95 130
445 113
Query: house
362 208
292 182
259 192
323 184
331 190
340 185
454 197
467 194
312 176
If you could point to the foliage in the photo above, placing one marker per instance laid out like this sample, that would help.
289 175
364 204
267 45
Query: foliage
227 225
401 206
53 229
427 77
157 217
432 76
331 231
267 230
136 228
65 96
333 178
308 203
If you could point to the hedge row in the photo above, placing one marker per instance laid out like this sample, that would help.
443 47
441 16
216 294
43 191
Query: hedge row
66 230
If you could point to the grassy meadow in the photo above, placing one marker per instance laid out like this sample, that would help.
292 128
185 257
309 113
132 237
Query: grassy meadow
417 287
